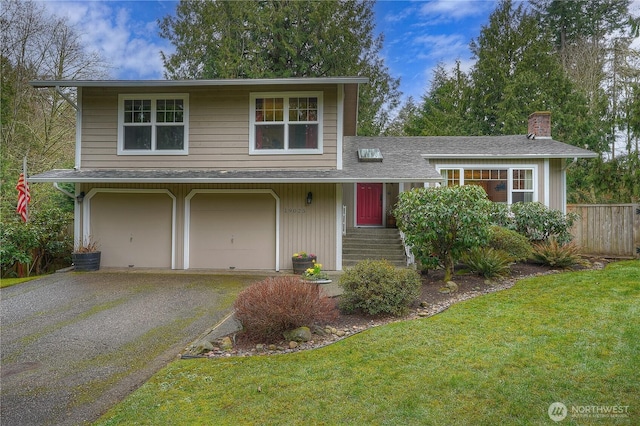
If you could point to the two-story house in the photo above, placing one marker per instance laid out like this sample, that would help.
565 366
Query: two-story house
241 174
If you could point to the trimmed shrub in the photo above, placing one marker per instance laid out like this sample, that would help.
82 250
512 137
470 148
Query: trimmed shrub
553 253
270 307
487 262
539 223
515 245
377 287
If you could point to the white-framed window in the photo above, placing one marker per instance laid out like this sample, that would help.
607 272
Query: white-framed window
153 124
286 123
502 184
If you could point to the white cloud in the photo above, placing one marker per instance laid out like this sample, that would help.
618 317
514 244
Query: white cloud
442 46
453 10
130 46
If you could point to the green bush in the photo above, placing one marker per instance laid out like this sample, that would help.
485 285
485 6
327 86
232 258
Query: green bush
554 253
442 223
487 262
270 307
515 245
377 287
539 223
42 244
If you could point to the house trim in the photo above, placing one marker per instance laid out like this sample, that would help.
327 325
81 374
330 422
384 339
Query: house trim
340 126
339 218
86 214
187 217
193 83
78 159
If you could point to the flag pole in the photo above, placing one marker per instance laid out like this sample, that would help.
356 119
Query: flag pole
24 173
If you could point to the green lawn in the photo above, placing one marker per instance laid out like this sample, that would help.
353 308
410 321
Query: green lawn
502 358
8 282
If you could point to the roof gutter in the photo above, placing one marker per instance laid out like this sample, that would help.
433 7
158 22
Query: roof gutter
191 83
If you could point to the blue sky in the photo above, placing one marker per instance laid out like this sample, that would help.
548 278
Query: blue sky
418 34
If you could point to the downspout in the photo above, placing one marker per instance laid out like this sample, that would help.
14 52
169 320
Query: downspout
64 191
66 98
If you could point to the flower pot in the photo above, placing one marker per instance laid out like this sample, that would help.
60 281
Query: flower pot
320 281
302 264
86 261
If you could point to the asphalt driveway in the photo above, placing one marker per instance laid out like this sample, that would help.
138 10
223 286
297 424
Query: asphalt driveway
74 344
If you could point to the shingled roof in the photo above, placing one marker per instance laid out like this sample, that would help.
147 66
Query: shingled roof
471 147
404 159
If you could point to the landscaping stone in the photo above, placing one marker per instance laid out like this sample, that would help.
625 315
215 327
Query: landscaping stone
201 347
300 334
293 344
226 344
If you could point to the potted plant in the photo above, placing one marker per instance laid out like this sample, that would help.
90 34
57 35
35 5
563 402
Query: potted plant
316 275
86 256
302 261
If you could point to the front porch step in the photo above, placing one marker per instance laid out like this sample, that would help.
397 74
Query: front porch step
373 243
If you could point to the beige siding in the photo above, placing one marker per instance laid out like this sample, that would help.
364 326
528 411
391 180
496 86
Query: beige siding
557 187
218 131
310 228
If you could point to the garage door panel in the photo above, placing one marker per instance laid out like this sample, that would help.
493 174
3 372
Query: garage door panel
133 229
232 231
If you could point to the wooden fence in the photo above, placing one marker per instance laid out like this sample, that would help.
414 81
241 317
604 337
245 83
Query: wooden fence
611 230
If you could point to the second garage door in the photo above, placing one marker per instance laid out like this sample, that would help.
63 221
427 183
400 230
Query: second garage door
232 231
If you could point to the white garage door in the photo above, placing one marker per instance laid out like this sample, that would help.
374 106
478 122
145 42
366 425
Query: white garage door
133 229
232 230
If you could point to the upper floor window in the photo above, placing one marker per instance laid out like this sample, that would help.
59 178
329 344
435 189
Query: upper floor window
156 124
509 185
286 123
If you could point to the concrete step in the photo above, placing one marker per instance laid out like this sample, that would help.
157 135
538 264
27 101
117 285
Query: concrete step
373 243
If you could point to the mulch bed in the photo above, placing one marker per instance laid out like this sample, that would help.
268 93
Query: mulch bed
431 301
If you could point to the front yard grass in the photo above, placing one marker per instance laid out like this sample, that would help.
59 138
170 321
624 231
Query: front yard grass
501 358
8 282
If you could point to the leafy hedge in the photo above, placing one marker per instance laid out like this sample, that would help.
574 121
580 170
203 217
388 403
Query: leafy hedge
377 287
40 245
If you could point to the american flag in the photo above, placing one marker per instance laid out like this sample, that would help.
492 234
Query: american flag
23 197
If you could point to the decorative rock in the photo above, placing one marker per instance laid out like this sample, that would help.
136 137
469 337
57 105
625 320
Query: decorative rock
201 347
598 265
260 347
423 313
300 334
340 333
293 344
444 290
226 344
453 287
319 330
424 304
273 347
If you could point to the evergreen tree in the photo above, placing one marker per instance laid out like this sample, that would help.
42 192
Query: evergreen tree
445 108
269 38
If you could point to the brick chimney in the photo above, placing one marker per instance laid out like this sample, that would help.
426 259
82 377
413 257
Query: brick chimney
539 125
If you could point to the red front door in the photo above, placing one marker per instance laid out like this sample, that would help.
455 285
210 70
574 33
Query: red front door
369 203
